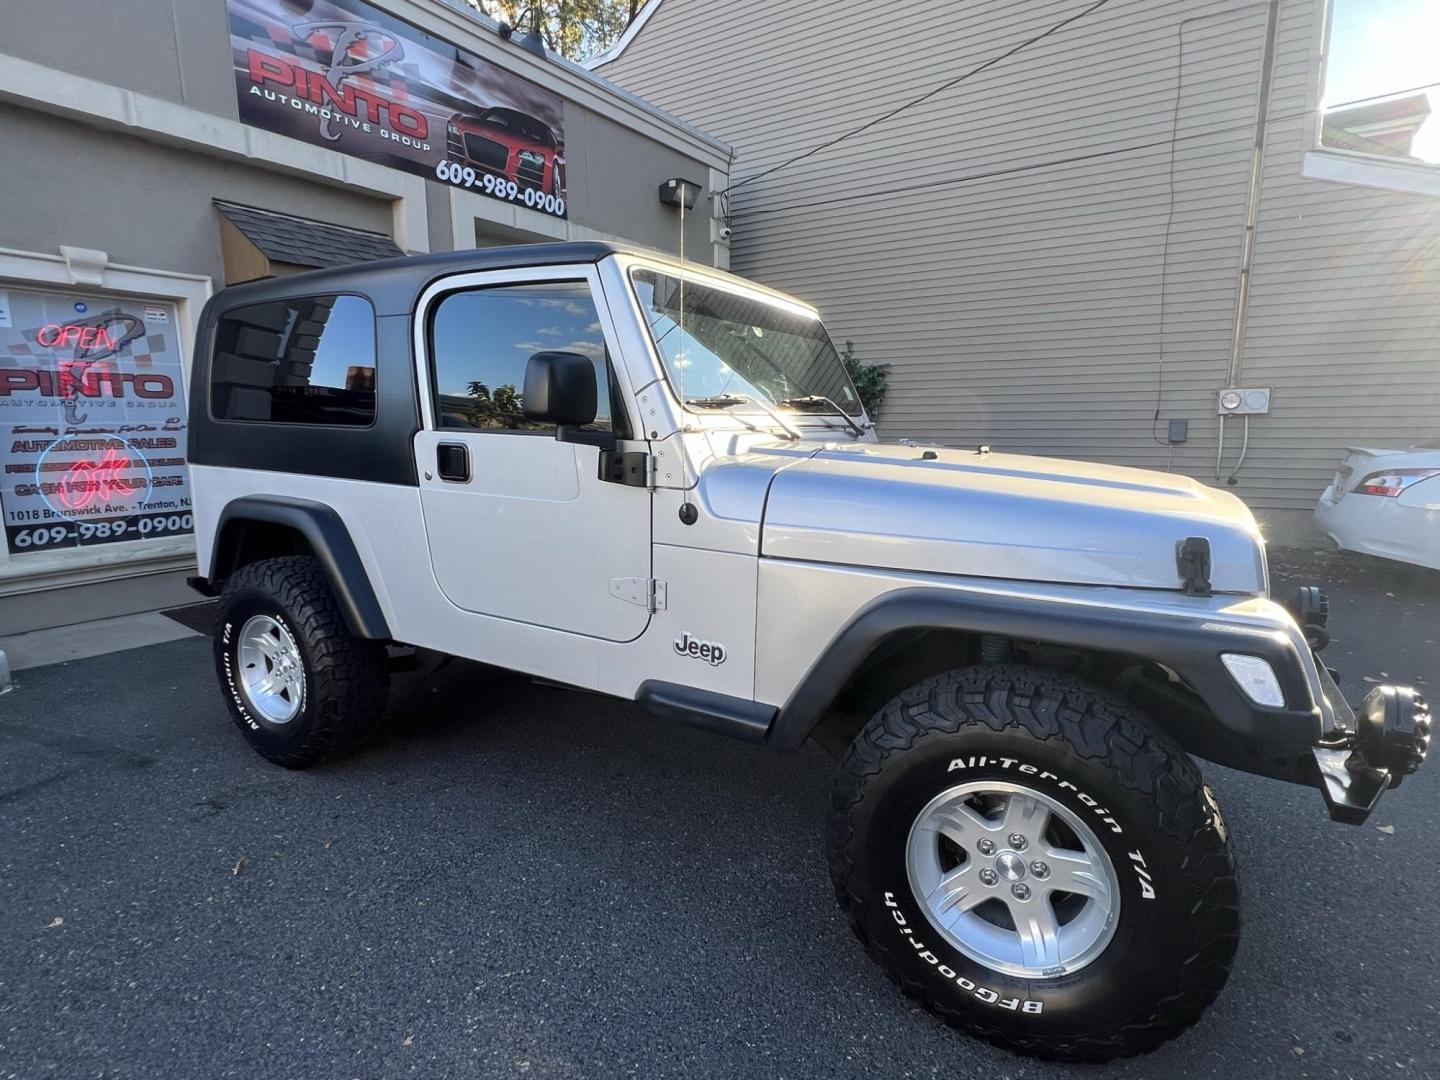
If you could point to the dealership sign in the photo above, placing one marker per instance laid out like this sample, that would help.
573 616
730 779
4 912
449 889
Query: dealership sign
92 422
347 76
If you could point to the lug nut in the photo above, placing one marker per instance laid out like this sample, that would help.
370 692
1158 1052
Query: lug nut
985 847
1021 891
988 876
1018 842
1039 869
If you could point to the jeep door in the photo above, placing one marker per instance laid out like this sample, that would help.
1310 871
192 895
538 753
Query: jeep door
518 524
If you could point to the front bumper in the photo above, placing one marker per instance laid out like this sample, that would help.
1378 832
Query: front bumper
1390 741
1315 738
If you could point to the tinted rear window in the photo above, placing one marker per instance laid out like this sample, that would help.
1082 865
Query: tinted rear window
307 360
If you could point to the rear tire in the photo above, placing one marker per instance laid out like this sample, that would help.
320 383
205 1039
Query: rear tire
945 803
299 685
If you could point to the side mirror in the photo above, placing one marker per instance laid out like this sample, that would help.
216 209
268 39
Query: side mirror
560 389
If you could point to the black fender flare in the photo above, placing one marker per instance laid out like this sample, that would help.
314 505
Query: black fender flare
330 542
1251 736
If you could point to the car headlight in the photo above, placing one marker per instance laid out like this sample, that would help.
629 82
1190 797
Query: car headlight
531 157
1392 482
1256 677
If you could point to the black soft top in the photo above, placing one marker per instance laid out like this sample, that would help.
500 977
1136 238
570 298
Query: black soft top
393 285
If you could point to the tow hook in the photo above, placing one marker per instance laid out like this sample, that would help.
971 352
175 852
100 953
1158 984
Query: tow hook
1390 742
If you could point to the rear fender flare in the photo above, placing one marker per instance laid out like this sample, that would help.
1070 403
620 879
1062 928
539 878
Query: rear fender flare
330 542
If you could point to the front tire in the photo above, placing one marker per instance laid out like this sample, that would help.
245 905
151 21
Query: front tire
298 684
1034 862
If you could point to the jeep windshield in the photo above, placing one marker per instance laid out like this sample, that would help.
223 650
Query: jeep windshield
740 349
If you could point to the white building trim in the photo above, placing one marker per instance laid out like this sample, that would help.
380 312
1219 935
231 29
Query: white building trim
602 58
467 206
468 28
50 90
1366 170
88 101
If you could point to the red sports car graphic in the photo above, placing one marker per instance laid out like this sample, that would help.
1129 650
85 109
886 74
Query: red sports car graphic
508 143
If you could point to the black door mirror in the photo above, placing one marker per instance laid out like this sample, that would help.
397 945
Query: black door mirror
560 389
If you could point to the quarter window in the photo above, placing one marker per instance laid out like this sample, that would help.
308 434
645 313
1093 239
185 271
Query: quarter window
309 360
482 340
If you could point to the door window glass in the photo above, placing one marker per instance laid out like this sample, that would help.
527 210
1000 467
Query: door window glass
482 340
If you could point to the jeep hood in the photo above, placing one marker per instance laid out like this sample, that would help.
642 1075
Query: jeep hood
1005 516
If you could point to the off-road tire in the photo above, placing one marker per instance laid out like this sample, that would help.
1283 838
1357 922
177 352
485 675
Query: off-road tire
1095 753
345 678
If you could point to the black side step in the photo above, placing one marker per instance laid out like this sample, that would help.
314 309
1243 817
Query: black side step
739 718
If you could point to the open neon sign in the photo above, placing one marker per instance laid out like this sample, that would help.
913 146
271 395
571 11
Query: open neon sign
53 335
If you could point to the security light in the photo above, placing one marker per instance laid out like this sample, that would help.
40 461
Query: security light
679 192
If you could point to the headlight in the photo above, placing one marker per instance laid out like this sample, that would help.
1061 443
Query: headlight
1392 482
1256 677
532 157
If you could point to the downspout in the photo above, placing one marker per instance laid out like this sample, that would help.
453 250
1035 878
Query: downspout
1252 213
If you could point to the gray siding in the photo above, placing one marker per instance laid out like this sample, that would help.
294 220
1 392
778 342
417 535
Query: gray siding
180 52
154 208
1026 310
175 51
614 177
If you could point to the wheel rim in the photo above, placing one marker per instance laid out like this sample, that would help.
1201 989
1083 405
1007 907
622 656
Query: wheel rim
1013 879
272 671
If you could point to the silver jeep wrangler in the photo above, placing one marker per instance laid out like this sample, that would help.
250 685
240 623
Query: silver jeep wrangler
600 467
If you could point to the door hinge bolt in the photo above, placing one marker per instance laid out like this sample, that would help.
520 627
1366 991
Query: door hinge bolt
643 592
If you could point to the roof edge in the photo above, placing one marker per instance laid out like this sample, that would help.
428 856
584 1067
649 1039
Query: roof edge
623 42
458 9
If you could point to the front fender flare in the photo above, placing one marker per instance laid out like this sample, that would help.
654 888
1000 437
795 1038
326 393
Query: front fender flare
328 539
1189 646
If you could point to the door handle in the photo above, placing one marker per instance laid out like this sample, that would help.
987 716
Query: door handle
452 462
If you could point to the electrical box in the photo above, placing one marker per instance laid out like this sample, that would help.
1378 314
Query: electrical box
1244 401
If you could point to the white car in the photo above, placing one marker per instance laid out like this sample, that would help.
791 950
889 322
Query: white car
1385 501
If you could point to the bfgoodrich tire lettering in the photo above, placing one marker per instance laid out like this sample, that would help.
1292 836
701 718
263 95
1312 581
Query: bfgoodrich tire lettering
343 684
1176 927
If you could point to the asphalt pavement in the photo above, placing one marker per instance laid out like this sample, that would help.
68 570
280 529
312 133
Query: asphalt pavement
527 881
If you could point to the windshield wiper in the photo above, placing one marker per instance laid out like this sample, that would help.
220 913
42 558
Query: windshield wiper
728 401
820 399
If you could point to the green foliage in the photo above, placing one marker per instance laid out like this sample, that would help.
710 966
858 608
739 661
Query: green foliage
573 28
500 408
869 379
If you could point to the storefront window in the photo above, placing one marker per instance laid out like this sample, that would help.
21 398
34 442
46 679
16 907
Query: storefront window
92 421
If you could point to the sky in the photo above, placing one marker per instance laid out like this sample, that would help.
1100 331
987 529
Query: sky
1381 46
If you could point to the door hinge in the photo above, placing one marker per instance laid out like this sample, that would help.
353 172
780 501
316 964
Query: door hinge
643 592
635 469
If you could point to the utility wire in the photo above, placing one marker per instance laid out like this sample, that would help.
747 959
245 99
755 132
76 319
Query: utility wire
1012 170
1381 97
1169 221
915 101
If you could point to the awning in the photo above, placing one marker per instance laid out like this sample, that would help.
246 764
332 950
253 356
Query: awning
297 242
